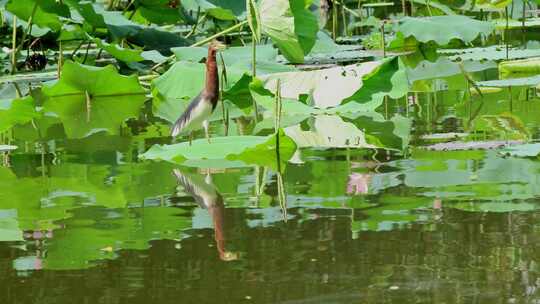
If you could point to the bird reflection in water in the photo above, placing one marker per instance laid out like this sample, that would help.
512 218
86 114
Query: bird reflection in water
207 197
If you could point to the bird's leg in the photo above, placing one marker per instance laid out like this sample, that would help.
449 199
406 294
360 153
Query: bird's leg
205 125
208 178
190 137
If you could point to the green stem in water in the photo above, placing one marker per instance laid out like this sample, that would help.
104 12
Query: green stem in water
60 58
506 31
254 73
383 42
334 19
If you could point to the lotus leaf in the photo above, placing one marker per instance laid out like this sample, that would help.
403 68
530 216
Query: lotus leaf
245 149
90 99
442 29
47 12
292 28
17 111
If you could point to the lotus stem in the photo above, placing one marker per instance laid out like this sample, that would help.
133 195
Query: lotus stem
334 19
523 22
254 74
281 195
429 8
350 11
14 46
344 20
510 97
278 106
203 18
88 105
226 31
404 7
60 58
383 42
506 34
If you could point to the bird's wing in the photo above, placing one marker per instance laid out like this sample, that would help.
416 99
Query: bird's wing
204 194
186 117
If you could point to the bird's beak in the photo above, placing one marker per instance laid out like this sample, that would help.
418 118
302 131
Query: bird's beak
218 45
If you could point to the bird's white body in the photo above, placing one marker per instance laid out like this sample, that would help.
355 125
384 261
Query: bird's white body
201 113
198 116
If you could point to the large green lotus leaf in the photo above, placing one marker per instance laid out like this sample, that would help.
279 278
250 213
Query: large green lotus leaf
344 81
442 29
112 99
159 11
120 53
155 39
47 14
388 79
15 112
513 82
246 149
84 241
88 12
291 26
129 55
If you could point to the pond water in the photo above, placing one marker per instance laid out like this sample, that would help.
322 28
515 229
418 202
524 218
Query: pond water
84 221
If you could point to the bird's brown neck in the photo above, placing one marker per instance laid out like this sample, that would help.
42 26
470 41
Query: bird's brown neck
212 80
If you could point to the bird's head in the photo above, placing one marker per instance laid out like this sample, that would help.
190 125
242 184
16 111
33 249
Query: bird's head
217 45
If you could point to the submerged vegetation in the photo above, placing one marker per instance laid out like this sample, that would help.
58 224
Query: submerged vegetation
383 109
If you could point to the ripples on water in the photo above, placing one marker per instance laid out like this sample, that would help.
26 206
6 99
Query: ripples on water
100 227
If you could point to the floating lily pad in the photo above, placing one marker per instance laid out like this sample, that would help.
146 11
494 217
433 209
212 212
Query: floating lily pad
245 149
